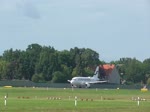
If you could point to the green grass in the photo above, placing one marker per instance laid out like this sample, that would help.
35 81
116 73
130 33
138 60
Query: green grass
89 100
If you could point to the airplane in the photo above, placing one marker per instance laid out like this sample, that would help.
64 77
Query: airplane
86 81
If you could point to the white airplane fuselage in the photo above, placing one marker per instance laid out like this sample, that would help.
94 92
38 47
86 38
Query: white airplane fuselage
81 81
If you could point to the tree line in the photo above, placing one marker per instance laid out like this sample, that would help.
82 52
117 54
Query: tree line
133 70
46 64
43 63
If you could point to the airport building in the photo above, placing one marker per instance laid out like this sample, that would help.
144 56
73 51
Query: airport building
110 73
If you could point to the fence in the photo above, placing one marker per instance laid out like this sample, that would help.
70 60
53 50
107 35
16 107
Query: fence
65 85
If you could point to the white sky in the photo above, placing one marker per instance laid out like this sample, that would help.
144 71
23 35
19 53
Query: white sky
113 28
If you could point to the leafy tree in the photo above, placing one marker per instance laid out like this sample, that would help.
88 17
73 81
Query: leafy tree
58 77
13 59
146 66
24 68
131 69
33 53
66 71
47 62
64 58
83 58
148 81
146 69
38 78
3 68
88 71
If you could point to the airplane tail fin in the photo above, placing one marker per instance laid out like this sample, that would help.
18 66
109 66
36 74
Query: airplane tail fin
96 72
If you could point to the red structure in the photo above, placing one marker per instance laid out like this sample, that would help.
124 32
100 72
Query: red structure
110 73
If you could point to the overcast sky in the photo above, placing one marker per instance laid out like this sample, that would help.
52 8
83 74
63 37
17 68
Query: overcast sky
113 28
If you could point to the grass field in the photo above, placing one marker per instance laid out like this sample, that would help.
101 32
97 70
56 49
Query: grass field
63 100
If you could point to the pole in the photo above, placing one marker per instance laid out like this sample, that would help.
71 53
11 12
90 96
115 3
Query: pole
75 103
5 100
138 101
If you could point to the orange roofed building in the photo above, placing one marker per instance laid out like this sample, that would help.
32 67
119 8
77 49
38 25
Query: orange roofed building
110 73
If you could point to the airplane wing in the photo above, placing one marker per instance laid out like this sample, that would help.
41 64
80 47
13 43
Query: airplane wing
94 82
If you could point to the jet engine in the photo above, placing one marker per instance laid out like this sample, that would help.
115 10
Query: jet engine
87 85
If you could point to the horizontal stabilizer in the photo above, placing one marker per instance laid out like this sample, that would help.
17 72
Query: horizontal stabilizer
69 80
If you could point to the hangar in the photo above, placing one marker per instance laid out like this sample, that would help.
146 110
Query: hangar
110 73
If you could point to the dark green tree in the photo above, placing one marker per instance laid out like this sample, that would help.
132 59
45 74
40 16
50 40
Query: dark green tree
47 63
3 69
38 78
33 53
13 59
58 77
